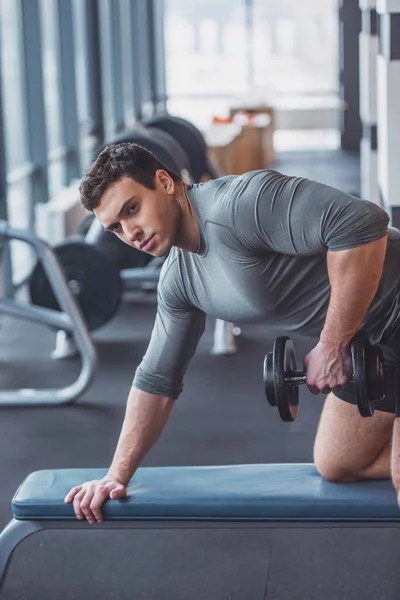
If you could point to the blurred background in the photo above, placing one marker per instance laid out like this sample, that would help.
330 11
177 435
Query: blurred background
281 53
213 87
78 73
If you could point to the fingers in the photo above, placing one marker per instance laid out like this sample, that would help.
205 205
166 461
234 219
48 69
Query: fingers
337 388
89 498
326 390
313 388
77 504
85 504
322 387
326 369
118 492
102 492
317 386
71 495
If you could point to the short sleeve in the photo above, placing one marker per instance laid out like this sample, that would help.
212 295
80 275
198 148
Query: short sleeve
291 215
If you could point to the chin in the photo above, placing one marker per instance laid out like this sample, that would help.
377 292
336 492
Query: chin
162 250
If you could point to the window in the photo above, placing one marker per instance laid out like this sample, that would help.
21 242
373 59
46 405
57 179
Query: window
205 46
51 68
88 78
18 168
12 84
279 52
295 48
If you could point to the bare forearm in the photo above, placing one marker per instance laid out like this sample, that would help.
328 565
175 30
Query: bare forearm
145 418
354 276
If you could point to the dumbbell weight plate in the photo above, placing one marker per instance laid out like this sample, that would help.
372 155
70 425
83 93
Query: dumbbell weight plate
376 376
92 277
358 356
369 375
278 364
269 384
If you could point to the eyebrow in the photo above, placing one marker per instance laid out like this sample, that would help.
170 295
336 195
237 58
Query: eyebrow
121 211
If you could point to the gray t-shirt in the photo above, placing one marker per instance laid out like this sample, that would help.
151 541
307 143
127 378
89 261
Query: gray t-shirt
263 243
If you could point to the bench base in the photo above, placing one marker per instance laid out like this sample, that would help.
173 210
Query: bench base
17 530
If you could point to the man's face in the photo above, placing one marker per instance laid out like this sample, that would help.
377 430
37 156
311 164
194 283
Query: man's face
145 219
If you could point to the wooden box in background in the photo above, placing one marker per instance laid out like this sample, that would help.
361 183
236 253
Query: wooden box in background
268 130
220 140
242 148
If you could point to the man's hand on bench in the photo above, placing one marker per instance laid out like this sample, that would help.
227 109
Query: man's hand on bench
90 496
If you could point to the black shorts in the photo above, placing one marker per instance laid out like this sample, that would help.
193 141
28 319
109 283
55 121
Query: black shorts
391 357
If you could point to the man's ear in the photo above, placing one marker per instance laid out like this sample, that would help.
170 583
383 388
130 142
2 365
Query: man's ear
165 180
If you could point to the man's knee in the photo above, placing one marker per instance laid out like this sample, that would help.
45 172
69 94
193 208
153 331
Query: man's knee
349 448
332 470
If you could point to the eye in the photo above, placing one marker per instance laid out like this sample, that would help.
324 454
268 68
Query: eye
131 209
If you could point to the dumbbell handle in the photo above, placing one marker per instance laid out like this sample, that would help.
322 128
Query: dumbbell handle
299 377
295 378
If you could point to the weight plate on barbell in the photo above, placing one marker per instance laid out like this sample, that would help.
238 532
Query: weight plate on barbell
189 137
143 137
172 146
92 278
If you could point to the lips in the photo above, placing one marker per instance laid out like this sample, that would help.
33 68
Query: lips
147 243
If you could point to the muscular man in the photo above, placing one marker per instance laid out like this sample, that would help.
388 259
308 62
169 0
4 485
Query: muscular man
296 254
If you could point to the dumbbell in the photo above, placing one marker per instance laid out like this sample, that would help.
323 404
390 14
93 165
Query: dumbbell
282 379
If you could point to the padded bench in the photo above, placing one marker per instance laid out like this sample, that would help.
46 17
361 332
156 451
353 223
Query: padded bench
280 495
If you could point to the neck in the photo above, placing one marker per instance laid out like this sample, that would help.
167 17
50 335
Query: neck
189 236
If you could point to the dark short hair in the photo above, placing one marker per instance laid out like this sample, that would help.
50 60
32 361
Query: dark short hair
114 162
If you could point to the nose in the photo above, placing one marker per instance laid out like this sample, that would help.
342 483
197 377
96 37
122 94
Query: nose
132 234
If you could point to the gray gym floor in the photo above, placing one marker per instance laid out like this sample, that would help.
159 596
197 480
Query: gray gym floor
221 418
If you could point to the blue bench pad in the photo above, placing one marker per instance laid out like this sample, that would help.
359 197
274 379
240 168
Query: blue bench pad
270 492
